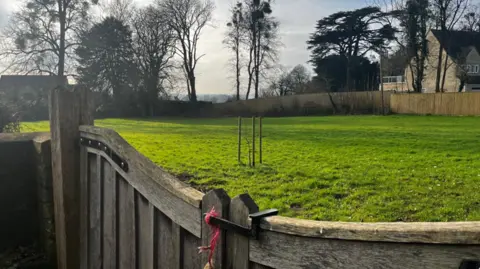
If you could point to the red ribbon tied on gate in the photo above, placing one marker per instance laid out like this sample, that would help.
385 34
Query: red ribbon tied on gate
214 236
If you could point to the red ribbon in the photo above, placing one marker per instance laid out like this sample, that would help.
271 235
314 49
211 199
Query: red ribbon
214 236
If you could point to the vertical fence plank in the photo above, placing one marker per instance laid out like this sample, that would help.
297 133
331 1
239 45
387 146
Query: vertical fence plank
177 247
67 112
145 232
84 206
126 225
219 200
95 229
238 245
164 242
109 217
191 258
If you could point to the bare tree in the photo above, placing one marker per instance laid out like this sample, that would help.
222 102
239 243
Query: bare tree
262 40
295 81
187 18
471 20
153 48
446 15
122 10
234 38
42 35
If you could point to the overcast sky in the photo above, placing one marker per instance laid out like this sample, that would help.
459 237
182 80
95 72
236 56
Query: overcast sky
297 18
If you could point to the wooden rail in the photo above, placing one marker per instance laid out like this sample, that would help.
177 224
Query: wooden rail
143 217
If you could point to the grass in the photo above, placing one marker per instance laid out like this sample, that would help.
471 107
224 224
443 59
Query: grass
365 168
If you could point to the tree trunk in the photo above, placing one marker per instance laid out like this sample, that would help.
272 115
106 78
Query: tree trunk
348 86
439 68
238 66
250 74
462 84
257 64
193 90
61 53
445 68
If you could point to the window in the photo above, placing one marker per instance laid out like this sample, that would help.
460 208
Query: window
471 69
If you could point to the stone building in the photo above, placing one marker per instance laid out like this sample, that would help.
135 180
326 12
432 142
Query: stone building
461 66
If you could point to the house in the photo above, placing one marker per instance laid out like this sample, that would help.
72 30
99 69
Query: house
462 62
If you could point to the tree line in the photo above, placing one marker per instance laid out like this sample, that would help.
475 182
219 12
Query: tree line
133 57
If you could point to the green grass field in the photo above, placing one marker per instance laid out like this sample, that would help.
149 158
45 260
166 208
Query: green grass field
366 168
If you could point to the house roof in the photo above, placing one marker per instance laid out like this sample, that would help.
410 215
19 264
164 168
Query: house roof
457 43
18 81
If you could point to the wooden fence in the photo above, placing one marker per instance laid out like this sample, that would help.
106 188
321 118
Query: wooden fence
459 104
308 104
129 213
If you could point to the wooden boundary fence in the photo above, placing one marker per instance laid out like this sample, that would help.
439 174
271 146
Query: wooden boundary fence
114 208
455 104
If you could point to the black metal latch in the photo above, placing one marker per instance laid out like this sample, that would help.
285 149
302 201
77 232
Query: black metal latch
253 232
467 264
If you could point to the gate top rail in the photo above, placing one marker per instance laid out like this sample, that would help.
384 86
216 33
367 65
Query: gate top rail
399 232
121 147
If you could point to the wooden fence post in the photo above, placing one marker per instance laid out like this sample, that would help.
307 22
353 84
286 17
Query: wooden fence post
238 245
68 110
219 200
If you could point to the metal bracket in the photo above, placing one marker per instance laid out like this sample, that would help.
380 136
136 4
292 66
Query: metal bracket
468 264
253 232
86 142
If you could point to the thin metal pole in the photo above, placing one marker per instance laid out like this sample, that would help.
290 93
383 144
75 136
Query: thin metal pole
239 139
261 141
253 141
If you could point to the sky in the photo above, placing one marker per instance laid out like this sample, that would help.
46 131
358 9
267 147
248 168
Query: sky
297 21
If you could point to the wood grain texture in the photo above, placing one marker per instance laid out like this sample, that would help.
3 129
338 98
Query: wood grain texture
153 183
145 233
95 228
191 257
126 225
67 113
177 247
84 208
258 266
423 232
164 242
109 216
283 251
238 245
220 201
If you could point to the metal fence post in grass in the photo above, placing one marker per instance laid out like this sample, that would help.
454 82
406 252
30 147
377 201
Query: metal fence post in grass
239 139
253 141
261 141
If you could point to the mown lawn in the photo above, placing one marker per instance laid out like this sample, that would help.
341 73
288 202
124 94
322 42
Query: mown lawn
365 168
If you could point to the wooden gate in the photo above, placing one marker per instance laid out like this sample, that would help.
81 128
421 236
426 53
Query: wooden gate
114 208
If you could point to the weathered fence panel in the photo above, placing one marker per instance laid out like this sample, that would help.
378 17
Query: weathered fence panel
153 220
455 104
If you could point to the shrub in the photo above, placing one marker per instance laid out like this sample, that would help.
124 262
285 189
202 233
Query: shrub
9 121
